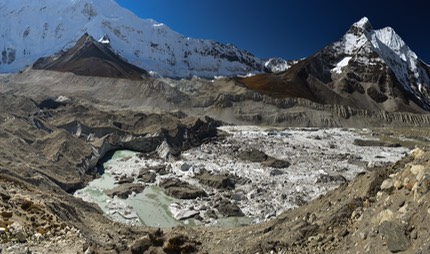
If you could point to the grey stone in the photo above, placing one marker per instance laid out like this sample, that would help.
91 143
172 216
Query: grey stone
387 185
253 155
21 236
185 167
414 234
276 172
363 235
331 178
394 235
275 163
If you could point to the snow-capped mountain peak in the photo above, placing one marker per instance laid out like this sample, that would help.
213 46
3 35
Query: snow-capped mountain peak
362 40
388 37
276 65
363 24
40 28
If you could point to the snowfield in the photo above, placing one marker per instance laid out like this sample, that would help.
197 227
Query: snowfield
38 28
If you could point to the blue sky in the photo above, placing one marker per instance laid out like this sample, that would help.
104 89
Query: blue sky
287 28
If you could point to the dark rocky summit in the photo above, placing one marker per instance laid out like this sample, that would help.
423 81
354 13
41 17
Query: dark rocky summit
91 58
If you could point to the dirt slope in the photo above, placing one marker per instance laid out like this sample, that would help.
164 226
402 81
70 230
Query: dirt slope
91 58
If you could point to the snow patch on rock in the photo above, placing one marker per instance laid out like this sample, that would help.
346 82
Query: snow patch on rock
341 64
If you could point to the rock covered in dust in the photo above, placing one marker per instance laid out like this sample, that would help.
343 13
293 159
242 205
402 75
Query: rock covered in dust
275 163
17 230
165 151
324 178
182 190
253 155
228 209
387 185
124 190
394 236
147 177
220 181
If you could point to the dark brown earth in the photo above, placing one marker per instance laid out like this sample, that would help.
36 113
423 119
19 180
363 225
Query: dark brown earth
361 87
91 58
182 190
124 190
221 181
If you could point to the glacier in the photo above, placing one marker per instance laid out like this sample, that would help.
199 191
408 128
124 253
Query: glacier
39 28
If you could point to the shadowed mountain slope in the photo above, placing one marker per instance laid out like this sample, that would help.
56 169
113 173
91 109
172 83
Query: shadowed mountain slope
91 58
366 69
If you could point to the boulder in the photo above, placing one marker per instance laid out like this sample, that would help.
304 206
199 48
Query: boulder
385 215
123 180
147 177
275 163
216 181
6 214
418 171
141 245
394 236
253 155
185 167
387 185
124 190
17 231
331 178
276 172
228 209
182 190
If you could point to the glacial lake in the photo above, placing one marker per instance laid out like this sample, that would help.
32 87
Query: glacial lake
149 208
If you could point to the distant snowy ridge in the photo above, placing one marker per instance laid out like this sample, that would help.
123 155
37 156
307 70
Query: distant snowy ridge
362 40
276 65
40 28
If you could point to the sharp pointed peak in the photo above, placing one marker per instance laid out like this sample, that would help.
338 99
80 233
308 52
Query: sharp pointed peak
363 25
363 22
